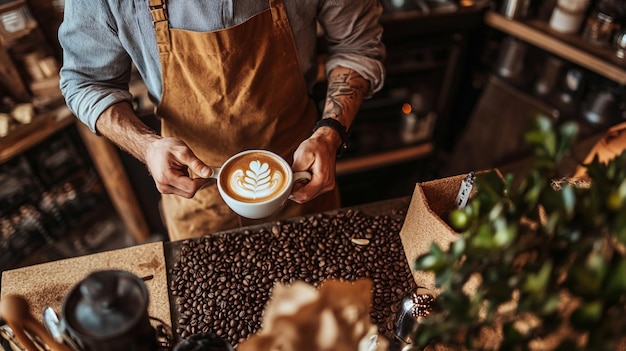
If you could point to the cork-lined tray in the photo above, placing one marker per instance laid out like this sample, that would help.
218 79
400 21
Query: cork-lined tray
48 284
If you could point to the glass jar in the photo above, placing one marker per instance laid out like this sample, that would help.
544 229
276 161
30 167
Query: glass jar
619 41
602 24
568 15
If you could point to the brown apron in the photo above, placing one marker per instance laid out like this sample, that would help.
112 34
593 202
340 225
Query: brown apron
227 91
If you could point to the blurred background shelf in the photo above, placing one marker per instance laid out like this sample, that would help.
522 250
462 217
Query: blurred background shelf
568 46
28 135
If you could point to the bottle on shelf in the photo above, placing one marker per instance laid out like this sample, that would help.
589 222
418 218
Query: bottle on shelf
605 20
569 15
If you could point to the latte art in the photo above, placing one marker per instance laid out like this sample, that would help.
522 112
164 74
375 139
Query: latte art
257 181
255 177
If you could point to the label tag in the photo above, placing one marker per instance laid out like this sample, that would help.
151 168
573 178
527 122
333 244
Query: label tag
466 188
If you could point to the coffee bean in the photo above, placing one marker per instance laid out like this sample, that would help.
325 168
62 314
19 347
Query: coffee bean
223 282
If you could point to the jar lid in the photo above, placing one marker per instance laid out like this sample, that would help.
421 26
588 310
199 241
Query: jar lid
106 304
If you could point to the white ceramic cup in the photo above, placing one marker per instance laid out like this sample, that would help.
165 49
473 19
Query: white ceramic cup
256 183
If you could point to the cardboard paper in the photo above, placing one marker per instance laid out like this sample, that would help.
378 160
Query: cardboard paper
48 284
425 224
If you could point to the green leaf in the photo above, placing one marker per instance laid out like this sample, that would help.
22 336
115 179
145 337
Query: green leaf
458 247
585 277
483 238
552 223
490 188
562 201
541 123
550 305
505 236
533 193
429 263
536 283
444 276
587 315
616 281
496 212
567 133
619 225
435 250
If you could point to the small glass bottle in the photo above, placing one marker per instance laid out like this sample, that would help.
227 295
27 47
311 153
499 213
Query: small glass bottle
568 15
603 23
619 41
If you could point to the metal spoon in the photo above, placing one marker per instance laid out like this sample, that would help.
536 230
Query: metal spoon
29 332
52 323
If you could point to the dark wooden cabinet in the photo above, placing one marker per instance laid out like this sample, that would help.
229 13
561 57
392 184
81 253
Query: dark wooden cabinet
64 193
400 132
560 77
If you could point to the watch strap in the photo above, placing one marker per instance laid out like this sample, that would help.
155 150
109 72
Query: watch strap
339 128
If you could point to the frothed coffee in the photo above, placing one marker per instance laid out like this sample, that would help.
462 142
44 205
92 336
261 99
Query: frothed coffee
254 177
256 183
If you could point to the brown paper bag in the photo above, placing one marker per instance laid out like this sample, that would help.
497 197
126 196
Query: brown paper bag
425 223
335 317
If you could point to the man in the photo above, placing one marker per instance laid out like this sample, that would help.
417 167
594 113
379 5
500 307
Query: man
226 76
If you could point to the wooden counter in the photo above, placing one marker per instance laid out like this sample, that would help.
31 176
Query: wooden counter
48 284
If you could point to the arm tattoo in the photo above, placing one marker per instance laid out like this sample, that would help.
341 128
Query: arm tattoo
345 92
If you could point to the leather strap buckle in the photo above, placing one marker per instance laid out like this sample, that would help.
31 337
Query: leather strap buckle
156 4
158 9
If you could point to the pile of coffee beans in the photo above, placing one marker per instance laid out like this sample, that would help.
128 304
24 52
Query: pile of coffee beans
221 283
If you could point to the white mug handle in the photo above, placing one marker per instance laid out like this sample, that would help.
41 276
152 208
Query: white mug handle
215 172
301 176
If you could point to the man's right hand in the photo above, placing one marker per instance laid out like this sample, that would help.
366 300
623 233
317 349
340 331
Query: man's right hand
169 161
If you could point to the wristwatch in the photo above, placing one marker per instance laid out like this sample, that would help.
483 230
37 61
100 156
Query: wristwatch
339 128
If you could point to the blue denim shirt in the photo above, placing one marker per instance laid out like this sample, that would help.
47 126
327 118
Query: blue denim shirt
102 38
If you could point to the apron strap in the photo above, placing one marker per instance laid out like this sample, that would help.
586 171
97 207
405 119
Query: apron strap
158 9
279 14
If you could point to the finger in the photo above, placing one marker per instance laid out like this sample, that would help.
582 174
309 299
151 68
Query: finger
201 183
307 192
167 189
180 185
187 187
195 165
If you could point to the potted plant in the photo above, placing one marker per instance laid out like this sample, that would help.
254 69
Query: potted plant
548 255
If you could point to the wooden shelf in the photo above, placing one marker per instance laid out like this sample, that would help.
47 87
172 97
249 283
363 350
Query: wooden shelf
569 47
103 154
359 164
6 38
29 135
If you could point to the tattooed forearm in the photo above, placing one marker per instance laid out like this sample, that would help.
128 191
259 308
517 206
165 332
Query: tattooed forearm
345 94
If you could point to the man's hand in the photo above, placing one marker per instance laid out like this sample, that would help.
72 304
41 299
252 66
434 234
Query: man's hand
317 155
168 160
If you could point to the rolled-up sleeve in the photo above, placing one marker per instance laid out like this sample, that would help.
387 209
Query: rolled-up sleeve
96 68
354 35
